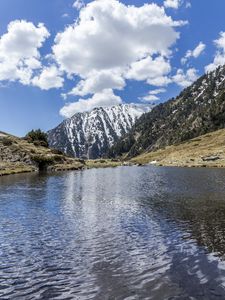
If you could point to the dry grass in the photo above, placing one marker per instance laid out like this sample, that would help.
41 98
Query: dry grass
102 163
188 154
191 153
38 154
68 167
14 168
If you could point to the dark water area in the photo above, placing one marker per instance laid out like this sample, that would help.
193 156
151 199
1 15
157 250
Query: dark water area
124 233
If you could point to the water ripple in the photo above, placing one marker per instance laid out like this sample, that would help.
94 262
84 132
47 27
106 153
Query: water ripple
125 233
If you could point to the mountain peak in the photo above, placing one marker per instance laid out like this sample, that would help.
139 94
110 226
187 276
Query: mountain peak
90 134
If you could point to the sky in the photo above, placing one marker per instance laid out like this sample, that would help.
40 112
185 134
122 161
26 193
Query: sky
60 57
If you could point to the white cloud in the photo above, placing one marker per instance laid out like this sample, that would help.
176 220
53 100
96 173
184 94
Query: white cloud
194 53
108 44
65 15
97 82
151 96
198 50
150 70
157 91
172 3
188 4
159 81
112 35
78 4
33 63
219 58
19 50
112 42
105 98
185 79
49 78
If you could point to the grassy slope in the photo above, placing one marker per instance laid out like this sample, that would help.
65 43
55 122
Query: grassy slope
193 153
56 162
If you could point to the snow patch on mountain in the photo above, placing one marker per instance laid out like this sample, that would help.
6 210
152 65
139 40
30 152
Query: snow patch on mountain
91 134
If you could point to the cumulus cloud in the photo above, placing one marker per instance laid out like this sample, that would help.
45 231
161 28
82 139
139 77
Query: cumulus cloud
105 98
112 35
49 78
19 50
150 98
97 82
185 79
152 95
152 71
78 4
157 91
112 42
219 58
194 53
107 45
172 3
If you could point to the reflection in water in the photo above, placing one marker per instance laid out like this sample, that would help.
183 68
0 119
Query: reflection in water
124 233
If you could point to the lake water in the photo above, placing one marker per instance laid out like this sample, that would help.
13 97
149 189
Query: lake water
123 233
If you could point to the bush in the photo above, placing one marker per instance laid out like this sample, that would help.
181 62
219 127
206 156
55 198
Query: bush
43 159
37 137
6 142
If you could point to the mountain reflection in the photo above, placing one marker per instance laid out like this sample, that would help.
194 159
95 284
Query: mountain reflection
124 233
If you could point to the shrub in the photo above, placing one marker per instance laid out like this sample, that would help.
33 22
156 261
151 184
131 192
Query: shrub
43 159
38 137
6 142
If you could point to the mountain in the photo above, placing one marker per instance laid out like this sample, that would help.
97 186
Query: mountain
91 134
199 109
203 151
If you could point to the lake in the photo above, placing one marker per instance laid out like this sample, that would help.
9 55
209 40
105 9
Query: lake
124 233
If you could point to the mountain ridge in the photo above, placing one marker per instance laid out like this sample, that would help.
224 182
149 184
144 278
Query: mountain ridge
90 134
197 110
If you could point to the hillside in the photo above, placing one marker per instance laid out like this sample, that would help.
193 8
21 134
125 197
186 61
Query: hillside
204 151
18 156
199 109
91 134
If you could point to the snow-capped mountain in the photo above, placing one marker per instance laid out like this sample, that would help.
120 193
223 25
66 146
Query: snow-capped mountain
91 134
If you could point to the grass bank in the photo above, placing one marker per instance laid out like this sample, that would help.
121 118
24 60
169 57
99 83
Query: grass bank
204 151
20 156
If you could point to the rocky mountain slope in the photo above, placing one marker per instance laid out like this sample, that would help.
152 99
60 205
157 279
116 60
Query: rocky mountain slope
18 155
199 109
91 134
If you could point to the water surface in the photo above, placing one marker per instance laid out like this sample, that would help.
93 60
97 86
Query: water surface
124 233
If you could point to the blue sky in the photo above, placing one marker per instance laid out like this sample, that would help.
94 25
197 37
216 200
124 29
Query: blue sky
82 69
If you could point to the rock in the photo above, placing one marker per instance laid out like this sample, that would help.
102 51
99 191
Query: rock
126 163
210 158
15 158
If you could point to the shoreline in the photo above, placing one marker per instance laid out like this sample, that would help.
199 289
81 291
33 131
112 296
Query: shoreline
26 170
7 169
206 151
